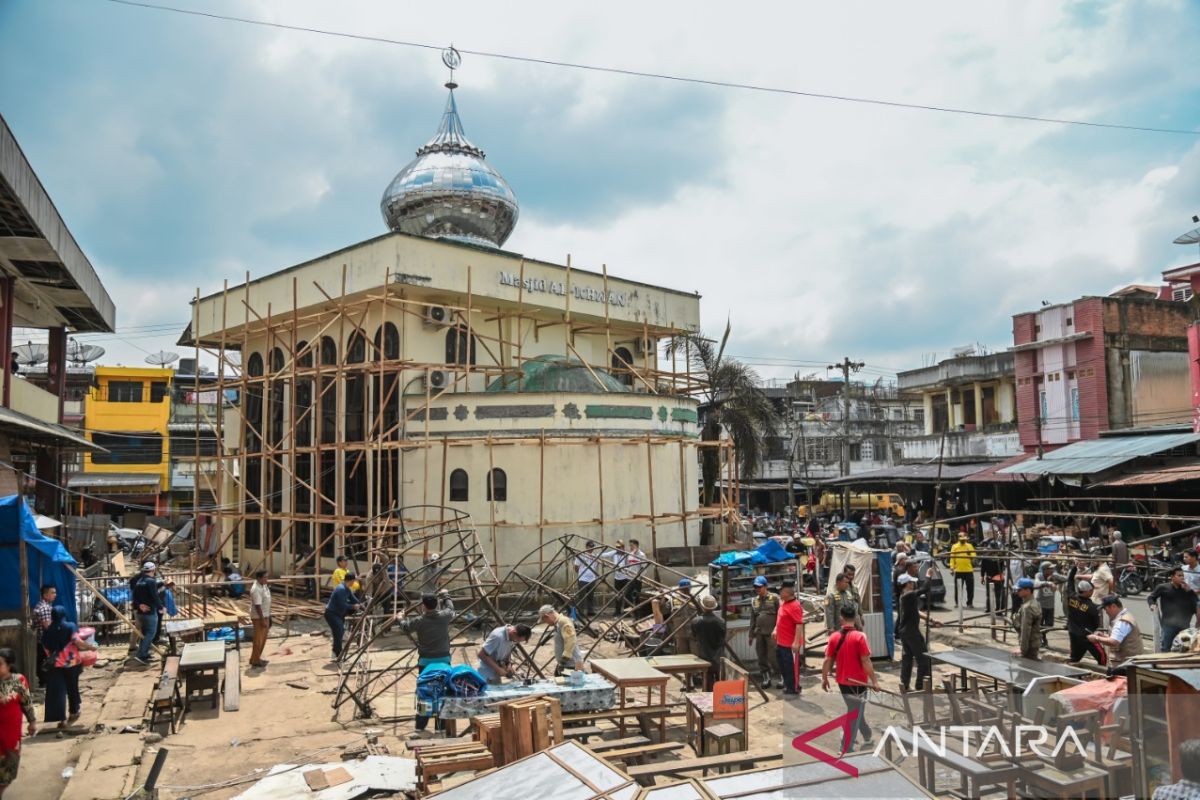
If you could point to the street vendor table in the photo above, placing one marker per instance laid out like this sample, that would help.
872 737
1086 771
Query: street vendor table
684 667
200 667
1002 667
594 694
635 673
179 630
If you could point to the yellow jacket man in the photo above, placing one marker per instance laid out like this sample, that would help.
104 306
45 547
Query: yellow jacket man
962 564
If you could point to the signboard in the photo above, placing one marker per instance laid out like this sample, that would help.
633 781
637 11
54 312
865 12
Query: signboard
729 699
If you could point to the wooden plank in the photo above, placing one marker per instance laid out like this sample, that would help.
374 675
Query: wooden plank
541 730
640 751
645 772
581 732
667 710
601 745
233 681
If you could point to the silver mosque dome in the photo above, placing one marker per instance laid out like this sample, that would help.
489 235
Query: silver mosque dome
450 191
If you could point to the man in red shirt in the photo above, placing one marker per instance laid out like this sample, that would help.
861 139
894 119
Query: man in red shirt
789 638
850 656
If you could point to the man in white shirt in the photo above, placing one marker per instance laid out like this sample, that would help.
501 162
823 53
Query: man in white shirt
586 573
1191 577
630 563
260 616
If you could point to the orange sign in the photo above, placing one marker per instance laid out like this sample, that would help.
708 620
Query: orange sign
729 699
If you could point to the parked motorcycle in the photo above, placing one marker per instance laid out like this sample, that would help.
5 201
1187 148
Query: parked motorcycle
1130 581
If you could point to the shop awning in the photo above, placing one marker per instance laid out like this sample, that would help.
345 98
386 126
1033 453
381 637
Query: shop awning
1098 455
909 473
992 473
126 483
36 430
1148 477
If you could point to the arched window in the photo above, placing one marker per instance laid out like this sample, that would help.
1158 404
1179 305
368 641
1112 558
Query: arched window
276 399
276 360
356 349
302 402
457 350
305 359
387 342
497 488
622 360
254 404
387 398
459 486
356 389
329 395
329 352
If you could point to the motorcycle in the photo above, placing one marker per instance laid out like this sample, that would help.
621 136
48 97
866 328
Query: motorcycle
1130 581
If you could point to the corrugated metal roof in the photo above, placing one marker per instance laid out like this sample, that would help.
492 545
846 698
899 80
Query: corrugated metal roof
1098 455
992 472
1146 477
34 428
911 473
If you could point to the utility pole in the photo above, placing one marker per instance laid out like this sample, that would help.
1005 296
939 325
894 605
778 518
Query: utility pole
846 366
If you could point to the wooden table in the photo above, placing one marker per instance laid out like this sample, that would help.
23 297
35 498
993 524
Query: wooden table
178 630
200 667
683 667
635 673
1002 667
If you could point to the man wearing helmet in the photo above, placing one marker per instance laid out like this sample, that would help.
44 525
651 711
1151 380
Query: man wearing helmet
1083 619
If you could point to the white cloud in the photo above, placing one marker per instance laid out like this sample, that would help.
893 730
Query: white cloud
822 228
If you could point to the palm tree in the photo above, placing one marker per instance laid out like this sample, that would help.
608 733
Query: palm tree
734 403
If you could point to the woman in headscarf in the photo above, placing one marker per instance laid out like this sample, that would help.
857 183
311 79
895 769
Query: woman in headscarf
62 644
15 703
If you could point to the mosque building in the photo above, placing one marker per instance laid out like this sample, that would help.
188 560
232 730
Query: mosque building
427 370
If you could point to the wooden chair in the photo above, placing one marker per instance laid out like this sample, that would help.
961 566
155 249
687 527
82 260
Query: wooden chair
702 707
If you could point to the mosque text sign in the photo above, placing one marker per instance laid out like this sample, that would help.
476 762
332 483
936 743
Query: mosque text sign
560 288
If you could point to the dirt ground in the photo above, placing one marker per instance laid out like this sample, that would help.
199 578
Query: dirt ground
286 716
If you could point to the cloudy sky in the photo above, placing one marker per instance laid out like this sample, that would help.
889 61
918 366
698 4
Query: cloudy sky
182 151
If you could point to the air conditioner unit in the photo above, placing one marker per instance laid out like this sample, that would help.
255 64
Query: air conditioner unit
437 379
646 345
437 316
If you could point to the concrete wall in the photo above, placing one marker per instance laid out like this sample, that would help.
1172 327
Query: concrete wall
991 445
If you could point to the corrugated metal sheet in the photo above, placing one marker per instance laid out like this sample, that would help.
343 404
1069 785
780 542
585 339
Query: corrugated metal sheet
112 480
1098 455
912 473
34 428
1146 477
992 473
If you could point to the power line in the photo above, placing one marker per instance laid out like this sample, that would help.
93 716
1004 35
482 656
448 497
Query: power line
660 75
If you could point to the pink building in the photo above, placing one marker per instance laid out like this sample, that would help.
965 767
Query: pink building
1101 363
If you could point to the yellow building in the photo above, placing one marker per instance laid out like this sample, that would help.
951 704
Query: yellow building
127 413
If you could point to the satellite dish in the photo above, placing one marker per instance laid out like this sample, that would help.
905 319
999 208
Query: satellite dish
30 354
85 353
1192 236
162 358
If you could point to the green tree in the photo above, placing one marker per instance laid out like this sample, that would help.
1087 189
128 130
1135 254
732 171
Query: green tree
732 402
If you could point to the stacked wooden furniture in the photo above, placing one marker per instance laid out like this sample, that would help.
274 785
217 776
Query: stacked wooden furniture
702 711
437 759
529 726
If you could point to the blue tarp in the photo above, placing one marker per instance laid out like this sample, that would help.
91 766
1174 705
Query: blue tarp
46 557
768 552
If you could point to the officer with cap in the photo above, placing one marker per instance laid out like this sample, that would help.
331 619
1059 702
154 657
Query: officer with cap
1028 620
764 611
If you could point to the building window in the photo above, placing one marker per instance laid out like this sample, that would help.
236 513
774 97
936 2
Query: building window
124 391
457 350
459 485
856 453
252 538
387 342
497 486
622 362
387 396
158 391
919 416
1075 403
1045 412
356 394
302 405
132 448
254 404
329 395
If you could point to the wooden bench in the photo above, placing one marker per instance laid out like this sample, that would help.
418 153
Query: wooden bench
637 753
601 745
233 681
665 710
646 773
582 732
436 761
166 700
